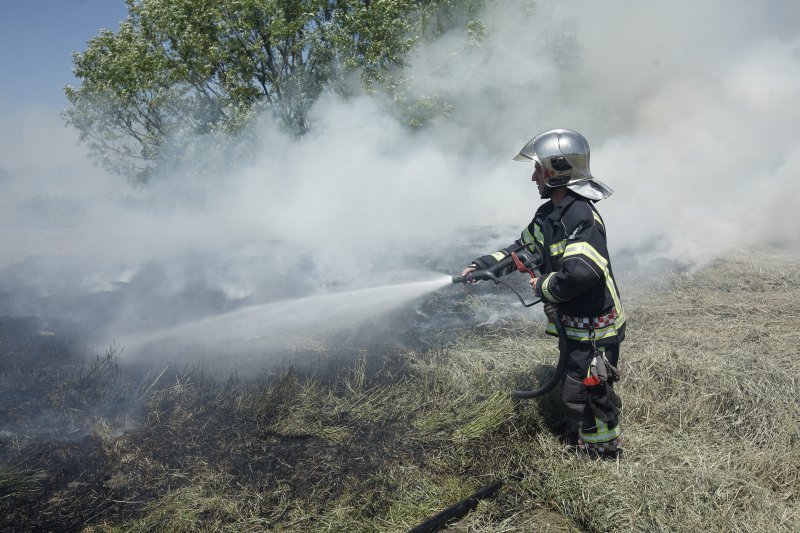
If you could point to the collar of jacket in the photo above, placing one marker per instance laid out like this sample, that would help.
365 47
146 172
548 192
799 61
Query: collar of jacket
558 210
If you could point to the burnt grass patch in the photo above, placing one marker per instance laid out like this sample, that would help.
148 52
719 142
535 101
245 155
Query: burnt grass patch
99 448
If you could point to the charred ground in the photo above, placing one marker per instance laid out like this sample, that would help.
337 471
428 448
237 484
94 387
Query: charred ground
390 438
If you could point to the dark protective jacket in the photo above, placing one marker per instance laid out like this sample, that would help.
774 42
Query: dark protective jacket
576 273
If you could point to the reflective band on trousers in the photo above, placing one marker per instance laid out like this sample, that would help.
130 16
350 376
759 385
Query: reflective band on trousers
601 433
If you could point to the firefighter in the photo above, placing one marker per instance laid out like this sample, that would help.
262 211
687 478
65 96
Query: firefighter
576 282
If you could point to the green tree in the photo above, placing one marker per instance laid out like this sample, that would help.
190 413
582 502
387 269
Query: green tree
179 69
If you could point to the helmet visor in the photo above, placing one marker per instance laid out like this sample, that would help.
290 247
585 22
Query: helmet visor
527 153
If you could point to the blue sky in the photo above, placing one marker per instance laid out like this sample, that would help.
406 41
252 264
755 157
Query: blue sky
37 38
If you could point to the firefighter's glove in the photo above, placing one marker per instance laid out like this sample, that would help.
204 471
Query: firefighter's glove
470 269
551 312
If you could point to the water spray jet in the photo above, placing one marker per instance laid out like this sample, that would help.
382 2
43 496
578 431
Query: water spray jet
259 332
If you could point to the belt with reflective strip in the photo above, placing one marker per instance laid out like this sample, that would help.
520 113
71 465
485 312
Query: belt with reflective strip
582 322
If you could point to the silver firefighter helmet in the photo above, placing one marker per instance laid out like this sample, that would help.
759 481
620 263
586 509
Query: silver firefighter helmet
564 158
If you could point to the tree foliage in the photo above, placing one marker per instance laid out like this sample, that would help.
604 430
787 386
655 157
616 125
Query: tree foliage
178 69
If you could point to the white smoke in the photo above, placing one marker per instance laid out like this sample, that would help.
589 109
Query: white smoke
690 109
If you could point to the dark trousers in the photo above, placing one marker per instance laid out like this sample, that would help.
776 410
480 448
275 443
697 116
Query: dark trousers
575 394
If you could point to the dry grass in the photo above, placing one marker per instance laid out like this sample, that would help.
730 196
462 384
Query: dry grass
711 421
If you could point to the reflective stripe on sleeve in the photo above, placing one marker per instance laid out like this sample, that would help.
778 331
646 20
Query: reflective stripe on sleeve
527 238
537 234
558 248
549 296
498 255
598 219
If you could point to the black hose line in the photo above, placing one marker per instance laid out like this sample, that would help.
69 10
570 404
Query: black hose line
561 367
490 275
459 510
515 291
485 275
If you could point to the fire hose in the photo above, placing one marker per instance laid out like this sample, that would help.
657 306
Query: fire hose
458 510
527 263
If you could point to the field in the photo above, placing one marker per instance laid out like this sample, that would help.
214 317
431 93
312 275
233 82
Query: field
711 419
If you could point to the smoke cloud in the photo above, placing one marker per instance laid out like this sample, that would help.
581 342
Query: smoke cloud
690 109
